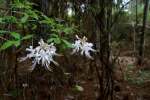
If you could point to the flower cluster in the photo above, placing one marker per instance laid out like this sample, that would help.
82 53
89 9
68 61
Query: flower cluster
82 46
42 54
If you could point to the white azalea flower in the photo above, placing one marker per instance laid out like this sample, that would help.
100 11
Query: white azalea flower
76 46
42 54
82 46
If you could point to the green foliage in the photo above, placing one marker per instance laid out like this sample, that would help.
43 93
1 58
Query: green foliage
2 1
48 21
16 41
3 32
28 15
7 44
27 37
137 78
78 88
29 18
24 19
59 40
25 14
8 20
22 4
55 26
15 35
59 32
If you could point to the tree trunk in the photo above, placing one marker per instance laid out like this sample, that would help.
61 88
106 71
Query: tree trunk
103 19
141 46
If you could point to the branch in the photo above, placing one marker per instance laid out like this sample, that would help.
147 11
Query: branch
117 16
2 38
140 25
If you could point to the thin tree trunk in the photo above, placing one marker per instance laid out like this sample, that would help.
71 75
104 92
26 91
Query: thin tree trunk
141 46
103 19
135 29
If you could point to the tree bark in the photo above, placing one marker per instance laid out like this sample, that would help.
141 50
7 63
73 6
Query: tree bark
104 22
141 46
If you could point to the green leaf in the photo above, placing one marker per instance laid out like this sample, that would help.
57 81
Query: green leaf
17 43
54 35
50 40
34 15
1 20
56 30
27 37
6 45
34 27
68 30
24 19
15 35
10 43
3 31
9 19
79 88
57 40
68 44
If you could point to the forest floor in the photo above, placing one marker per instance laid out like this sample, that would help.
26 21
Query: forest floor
130 83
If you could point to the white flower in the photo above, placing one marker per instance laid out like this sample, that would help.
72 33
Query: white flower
82 46
76 46
42 54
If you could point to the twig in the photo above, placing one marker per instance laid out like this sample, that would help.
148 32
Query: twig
2 38
116 18
4 8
